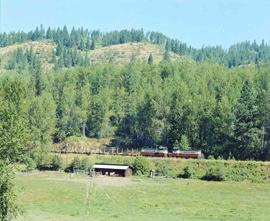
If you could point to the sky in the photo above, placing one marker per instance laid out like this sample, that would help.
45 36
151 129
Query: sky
196 22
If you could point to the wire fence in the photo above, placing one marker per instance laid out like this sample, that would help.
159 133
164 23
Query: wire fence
101 151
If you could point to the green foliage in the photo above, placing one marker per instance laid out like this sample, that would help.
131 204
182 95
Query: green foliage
30 164
56 162
232 170
78 164
49 162
150 59
42 121
165 169
8 208
214 173
248 130
85 164
93 45
221 111
184 144
13 123
141 166
166 56
188 172
243 53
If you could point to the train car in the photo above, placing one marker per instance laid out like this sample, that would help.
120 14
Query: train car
196 154
154 152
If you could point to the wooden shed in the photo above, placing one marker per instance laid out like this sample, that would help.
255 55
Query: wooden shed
118 170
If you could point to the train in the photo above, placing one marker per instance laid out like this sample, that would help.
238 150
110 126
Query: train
163 152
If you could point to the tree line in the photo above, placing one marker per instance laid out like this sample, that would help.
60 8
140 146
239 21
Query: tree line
222 111
243 53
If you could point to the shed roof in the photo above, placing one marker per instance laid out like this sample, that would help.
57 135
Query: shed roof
110 166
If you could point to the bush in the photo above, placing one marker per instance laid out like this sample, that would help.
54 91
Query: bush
165 169
56 162
214 174
188 172
48 162
30 164
85 164
8 207
141 166
75 164
211 157
78 164
43 162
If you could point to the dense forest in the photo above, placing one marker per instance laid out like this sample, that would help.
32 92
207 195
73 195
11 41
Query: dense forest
211 106
243 53
223 111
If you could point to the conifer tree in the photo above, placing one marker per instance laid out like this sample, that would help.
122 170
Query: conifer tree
150 59
93 45
248 131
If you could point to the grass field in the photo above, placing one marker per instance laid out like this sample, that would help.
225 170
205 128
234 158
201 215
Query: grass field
59 196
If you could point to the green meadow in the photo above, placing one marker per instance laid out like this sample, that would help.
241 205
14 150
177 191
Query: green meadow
59 196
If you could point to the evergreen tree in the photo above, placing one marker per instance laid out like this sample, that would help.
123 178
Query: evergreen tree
248 131
166 56
150 59
37 76
93 45
150 127
184 143
42 123
59 49
13 123
65 37
49 34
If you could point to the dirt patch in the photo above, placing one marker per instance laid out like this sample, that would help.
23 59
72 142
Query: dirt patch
84 179
98 181
116 181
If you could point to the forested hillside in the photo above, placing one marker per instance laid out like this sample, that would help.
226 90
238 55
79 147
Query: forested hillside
21 56
224 112
154 97
70 47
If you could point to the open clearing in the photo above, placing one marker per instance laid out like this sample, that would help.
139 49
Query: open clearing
59 196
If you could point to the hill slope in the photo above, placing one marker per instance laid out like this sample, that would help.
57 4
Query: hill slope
123 53
43 49
116 54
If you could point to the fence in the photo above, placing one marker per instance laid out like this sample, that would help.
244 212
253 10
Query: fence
102 150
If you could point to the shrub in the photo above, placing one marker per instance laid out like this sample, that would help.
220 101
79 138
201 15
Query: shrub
215 173
75 164
8 208
211 157
56 162
188 172
165 169
43 162
141 166
85 164
78 164
30 164
48 162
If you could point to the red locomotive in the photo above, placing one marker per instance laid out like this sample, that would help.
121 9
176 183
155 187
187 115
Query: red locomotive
155 152
196 154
